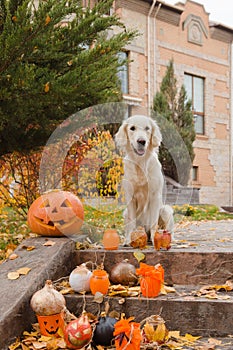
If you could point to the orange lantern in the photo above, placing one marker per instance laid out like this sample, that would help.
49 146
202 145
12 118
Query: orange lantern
111 239
99 282
127 334
139 238
51 325
151 279
56 213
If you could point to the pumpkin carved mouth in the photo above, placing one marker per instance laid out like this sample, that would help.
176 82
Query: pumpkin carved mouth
57 223
52 330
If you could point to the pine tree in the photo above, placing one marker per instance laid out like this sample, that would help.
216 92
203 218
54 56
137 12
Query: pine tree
174 116
56 59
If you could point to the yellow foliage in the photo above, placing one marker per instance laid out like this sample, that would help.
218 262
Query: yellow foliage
46 87
47 20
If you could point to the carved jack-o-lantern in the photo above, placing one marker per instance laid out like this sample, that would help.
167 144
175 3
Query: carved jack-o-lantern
51 325
56 213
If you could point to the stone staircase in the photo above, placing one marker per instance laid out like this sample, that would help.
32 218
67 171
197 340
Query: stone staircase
200 255
187 272
176 194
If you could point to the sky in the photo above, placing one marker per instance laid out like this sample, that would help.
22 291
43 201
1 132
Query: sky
219 10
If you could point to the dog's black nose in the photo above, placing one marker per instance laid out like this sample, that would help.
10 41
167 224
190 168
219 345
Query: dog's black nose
141 142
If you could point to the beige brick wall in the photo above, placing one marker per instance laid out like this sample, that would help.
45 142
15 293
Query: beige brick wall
210 60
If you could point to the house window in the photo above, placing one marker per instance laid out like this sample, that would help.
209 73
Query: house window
195 90
123 72
195 173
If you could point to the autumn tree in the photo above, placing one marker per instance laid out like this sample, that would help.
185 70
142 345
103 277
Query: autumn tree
174 115
56 58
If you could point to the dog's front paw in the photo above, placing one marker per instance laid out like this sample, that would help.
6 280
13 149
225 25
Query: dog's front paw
127 242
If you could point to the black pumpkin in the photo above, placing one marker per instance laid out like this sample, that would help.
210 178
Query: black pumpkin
103 333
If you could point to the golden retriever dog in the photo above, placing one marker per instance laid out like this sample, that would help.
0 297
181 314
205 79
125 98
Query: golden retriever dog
139 138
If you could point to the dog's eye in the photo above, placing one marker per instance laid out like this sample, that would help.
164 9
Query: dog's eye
132 128
147 128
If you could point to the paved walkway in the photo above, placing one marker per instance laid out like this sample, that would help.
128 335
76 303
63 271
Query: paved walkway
202 235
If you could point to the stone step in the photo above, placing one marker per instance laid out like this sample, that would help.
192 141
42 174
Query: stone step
186 266
181 310
46 262
196 258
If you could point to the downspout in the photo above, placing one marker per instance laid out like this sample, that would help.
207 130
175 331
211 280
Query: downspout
149 55
231 124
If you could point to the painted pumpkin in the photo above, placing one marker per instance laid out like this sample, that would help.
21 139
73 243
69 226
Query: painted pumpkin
103 333
78 333
52 325
56 213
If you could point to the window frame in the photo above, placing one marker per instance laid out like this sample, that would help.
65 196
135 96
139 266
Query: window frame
197 114
121 73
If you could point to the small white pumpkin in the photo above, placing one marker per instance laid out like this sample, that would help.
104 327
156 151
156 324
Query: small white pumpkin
79 279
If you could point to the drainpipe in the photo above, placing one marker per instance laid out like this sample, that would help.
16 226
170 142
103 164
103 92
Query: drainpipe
231 124
149 55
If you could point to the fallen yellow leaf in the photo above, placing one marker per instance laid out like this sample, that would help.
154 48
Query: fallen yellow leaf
13 275
174 334
24 270
29 248
13 256
39 345
166 289
139 256
49 243
191 338
15 345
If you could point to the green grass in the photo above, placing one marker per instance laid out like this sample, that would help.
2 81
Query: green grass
199 212
13 228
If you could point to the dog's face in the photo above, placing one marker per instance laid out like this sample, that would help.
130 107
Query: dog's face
139 133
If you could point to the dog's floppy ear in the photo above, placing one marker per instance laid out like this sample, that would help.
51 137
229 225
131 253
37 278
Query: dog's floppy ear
156 136
121 137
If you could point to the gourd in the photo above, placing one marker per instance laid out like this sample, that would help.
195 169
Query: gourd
47 301
123 273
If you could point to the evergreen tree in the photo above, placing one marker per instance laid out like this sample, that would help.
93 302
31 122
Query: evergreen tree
174 115
56 59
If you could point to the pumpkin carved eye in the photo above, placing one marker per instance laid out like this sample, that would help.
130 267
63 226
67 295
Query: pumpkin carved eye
66 204
45 204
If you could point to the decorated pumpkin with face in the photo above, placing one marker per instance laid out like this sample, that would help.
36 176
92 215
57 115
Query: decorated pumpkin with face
56 213
78 333
51 325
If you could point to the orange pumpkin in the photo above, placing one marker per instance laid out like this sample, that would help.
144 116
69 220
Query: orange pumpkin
56 213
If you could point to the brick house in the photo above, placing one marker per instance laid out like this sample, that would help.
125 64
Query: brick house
203 60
